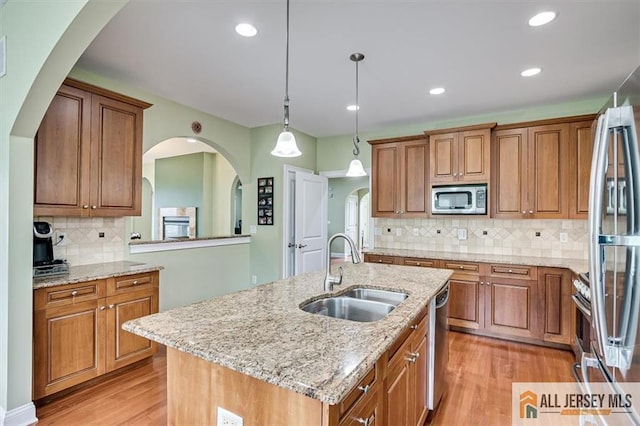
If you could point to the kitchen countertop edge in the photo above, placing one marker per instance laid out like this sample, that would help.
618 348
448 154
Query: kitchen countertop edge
94 271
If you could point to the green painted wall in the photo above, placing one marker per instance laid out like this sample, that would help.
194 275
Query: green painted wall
334 151
198 274
266 245
340 189
54 34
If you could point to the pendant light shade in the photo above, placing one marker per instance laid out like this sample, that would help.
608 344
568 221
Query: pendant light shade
355 167
286 145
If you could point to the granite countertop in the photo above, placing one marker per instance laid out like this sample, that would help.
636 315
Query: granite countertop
263 333
95 271
576 265
178 240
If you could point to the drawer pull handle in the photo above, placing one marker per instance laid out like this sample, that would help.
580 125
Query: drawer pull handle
365 389
414 327
135 282
418 263
461 267
511 271
413 357
366 422
74 292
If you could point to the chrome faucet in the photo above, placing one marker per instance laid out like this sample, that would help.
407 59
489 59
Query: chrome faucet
330 280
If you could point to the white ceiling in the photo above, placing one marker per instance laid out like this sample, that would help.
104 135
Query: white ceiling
188 51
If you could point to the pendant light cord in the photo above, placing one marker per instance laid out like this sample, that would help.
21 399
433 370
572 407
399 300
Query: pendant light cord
286 82
356 139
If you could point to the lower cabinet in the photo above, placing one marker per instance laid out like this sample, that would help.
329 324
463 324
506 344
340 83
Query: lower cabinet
555 283
77 330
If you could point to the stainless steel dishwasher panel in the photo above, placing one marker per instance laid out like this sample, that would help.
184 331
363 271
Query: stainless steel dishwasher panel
438 347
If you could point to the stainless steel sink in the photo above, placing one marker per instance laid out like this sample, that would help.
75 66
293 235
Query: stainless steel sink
385 296
349 308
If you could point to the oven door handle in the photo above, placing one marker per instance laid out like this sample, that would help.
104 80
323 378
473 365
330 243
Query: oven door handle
580 305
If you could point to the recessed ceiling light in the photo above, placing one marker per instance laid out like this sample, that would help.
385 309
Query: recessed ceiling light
531 72
542 18
437 91
192 140
353 107
246 30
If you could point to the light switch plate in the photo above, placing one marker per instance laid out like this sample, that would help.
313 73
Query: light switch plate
564 237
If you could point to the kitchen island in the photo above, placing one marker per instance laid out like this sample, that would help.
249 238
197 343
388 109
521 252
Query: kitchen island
257 354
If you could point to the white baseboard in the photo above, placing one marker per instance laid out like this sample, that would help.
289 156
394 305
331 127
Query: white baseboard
21 416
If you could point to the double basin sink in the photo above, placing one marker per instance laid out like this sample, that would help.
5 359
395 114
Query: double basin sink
358 304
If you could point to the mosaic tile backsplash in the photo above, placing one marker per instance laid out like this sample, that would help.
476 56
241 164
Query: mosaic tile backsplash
545 238
88 240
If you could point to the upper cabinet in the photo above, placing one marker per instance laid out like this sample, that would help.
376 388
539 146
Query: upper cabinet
399 177
460 155
88 154
580 153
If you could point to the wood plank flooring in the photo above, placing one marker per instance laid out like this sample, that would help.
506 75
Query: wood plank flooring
479 379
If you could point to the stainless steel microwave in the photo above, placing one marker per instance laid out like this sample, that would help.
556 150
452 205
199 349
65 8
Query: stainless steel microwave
459 199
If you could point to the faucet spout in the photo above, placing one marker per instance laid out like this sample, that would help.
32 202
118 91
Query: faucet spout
330 280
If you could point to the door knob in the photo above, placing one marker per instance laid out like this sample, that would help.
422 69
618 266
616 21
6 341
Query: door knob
291 245
302 246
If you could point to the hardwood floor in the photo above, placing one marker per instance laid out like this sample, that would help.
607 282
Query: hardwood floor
478 392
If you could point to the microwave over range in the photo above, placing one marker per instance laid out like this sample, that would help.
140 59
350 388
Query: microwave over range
459 199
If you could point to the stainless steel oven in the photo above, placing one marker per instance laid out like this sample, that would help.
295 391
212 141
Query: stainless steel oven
582 303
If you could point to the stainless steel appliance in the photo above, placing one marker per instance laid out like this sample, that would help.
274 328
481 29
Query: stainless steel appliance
614 246
582 302
438 347
175 227
43 262
463 199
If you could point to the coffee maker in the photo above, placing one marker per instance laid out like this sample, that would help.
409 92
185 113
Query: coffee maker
43 262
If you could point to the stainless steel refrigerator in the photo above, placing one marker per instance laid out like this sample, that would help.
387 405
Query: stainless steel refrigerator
614 246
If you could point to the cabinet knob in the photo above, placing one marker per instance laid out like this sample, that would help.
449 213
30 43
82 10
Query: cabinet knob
74 292
511 271
413 357
455 174
461 267
481 282
135 282
417 263
102 308
85 206
379 260
366 422
401 211
524 212
461 174
94 207
414 327
110 306
530 211
364 389
488 283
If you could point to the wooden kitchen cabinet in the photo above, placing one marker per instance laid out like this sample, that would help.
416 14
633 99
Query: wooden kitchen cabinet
460 155
77 330
399 177
555 285
581 152
378 258
88 154
530 177
465 295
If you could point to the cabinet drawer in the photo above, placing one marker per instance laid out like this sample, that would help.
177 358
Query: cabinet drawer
461 266
366 386
423 263
417 327
376 258
128 283
366 412
514 271
68 294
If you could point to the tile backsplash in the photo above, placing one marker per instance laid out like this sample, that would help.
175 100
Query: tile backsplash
534 237
88 240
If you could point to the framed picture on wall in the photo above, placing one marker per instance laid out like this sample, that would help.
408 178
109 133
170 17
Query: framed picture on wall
265 201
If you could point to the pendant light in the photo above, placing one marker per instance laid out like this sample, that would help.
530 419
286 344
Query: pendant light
355 167
286 145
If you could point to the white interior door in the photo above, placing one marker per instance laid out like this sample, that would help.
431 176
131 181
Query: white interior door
351 221
310 222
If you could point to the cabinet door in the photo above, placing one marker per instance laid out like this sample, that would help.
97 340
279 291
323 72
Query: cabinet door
398 395
474 155
548 171
413 171
122 347
511 307
61 184
581 151
443 157
509 173
68 346
421 376
556 285
465 304
116 158
384 180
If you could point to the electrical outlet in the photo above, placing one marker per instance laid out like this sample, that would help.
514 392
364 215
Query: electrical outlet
254 279
564 237
227 418
462 233
416 232
399 232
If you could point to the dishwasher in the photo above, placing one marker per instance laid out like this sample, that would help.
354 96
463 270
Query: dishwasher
438 347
